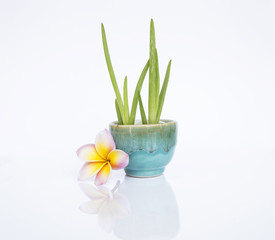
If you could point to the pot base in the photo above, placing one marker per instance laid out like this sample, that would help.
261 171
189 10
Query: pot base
144 173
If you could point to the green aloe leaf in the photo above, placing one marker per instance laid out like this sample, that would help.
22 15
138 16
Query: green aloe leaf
152 98
163 91
118 114
125 100
157 77
142 112
111 72
138 89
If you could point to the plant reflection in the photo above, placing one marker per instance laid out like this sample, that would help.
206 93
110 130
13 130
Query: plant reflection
107 204
139 208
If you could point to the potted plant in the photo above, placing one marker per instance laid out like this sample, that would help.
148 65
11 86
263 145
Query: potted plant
150 144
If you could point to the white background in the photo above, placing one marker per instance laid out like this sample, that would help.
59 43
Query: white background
56 94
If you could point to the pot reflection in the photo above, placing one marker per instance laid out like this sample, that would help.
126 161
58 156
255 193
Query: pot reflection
154 211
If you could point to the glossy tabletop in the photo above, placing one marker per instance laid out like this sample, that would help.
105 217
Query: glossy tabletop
202 195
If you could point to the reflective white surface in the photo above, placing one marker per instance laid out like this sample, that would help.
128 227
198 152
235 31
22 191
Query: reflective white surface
203 195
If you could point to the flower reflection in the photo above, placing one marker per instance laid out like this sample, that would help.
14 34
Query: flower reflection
108 204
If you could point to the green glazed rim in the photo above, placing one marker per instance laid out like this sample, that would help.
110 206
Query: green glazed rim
164 122
147 137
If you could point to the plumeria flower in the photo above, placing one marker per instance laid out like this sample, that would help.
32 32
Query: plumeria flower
107 204
101 158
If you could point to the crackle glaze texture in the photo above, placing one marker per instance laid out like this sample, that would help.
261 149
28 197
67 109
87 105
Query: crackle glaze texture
150 147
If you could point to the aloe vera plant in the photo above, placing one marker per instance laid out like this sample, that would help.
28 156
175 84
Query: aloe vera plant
155 98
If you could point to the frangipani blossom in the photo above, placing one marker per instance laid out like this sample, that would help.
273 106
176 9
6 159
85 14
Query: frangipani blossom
101 158
107 204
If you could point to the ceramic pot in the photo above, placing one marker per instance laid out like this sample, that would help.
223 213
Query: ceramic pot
150 147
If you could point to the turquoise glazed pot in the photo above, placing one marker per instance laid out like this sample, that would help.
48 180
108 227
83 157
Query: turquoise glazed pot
150 147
